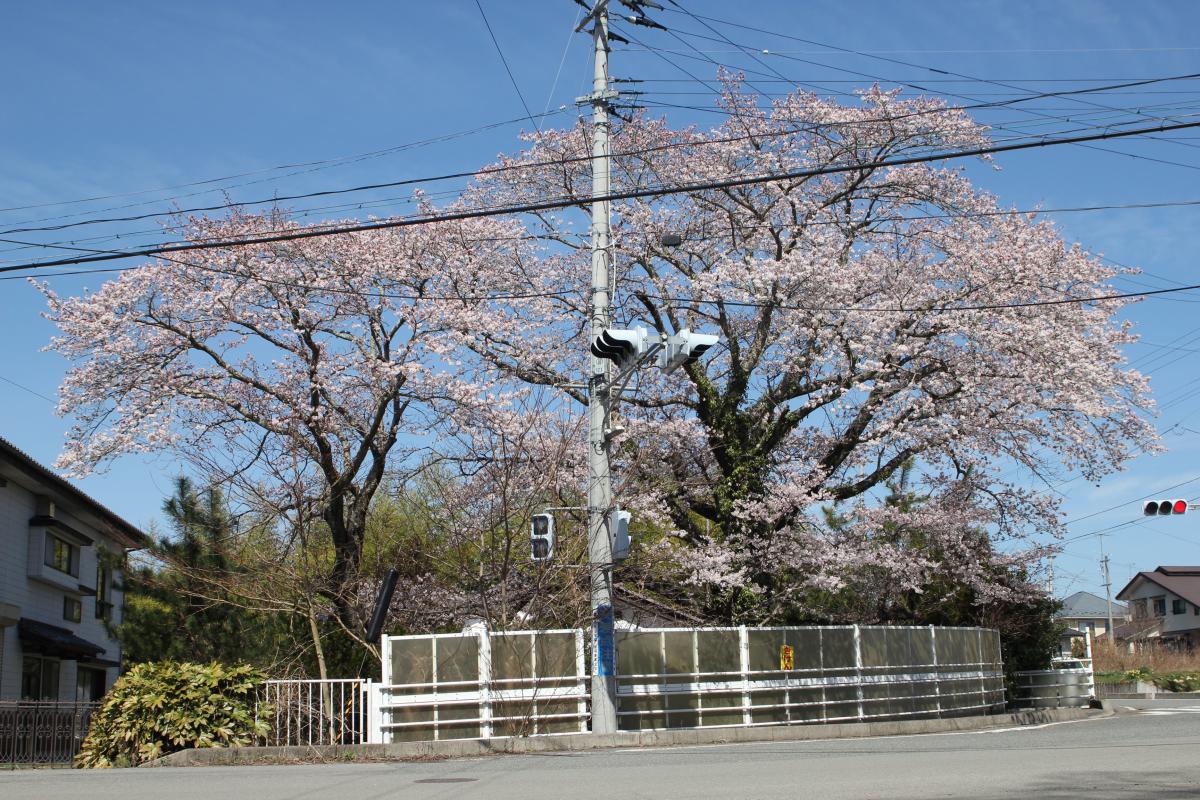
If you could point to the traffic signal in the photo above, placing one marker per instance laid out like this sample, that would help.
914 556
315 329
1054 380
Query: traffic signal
541 537
620 346
619 524
684 348
1162 508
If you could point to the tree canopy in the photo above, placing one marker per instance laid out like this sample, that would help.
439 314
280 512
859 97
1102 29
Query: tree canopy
873 320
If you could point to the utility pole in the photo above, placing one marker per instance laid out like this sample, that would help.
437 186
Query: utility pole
628 349
1108 596
604 681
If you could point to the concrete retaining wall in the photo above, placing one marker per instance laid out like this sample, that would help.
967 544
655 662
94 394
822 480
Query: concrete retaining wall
558 743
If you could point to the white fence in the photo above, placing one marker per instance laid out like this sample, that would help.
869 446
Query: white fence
481 684
315 712
488 684
712 677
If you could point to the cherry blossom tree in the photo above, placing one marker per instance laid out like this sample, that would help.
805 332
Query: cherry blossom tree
870 318
297 373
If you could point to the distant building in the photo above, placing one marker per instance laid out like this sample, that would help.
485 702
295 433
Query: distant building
61 554
1165 608
1088 613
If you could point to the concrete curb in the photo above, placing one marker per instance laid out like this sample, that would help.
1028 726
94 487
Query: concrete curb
458 748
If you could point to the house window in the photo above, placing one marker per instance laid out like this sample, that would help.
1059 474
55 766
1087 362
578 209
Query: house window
103 593
72 609
62 555
1139 609
1160 606
39 678
1178 606
89 684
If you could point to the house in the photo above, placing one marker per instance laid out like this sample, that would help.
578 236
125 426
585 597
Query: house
1165 607
1086 612
61 554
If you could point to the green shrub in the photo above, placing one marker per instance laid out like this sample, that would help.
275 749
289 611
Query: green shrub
1139 674
159 708
1178 681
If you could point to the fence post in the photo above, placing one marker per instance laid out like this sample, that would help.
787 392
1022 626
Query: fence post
485 682
858 670
581 686
375 699
695 677
983 694
744 658
937 673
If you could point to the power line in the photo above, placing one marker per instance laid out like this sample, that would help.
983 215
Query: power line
702 300
573 159
941 310
632 194
918 87
71 245
704 237
367 203
507 69
317 166
26 389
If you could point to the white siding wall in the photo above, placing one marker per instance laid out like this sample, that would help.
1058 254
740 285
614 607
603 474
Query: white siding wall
1171 622
44 603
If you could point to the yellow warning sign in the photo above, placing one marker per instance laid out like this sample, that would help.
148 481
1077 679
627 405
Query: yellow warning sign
786 661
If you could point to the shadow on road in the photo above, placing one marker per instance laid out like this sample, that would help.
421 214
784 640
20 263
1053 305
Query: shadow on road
1113 785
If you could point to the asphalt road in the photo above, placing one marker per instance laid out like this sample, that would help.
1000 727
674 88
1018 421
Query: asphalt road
1153 753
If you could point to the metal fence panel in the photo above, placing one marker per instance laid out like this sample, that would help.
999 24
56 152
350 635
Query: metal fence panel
796 675
314 712
38 733
478 684
1054 688
534 682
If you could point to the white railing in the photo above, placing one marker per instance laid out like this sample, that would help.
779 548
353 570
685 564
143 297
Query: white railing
837 677
481 684
315 712
494 684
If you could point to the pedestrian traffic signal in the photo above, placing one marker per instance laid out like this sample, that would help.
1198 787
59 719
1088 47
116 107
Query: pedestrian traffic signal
620 346
541 537
1162 508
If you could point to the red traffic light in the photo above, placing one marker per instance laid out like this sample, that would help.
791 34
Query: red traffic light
1163 508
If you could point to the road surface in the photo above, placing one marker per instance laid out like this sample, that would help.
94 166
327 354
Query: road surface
1152 753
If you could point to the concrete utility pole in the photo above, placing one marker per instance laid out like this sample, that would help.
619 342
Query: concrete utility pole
1108 595
604 681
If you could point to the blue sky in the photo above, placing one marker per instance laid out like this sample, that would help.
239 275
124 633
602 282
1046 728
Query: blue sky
108 99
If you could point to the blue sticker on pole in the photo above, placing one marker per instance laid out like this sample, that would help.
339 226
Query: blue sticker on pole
605 649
